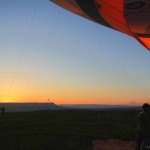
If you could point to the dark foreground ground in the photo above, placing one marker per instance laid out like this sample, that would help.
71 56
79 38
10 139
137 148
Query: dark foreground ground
64 130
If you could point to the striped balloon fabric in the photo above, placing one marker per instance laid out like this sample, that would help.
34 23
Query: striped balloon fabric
131 17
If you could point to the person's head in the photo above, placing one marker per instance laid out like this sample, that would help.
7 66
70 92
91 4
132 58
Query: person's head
146 107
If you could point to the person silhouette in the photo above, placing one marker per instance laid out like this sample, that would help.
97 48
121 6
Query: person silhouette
3 110
143 131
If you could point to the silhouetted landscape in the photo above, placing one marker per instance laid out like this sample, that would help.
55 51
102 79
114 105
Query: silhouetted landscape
25 107
65 129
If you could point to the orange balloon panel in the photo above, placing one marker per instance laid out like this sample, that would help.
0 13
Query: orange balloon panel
137 14
113 14
131 17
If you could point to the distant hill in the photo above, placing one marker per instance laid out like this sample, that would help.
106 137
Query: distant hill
98 106
133 103
24 107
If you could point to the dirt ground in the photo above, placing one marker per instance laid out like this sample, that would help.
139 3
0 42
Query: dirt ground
113 145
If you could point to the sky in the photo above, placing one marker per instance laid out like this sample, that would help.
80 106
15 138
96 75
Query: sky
48 53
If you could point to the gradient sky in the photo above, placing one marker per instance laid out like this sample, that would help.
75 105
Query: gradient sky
66 58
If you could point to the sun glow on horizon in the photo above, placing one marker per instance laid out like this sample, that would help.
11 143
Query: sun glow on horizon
6 100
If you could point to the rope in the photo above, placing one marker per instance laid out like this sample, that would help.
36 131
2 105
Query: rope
23 49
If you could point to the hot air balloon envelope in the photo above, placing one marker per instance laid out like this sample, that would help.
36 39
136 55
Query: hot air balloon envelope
131 17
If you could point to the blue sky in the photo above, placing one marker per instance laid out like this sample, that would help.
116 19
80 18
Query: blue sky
67 58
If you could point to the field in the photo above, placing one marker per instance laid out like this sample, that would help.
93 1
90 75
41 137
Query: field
64 130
